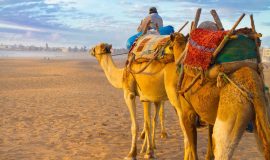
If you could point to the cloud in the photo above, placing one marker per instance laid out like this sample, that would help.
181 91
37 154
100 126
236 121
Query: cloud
88 22
19 27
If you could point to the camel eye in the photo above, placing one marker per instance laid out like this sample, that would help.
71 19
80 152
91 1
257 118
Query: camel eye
171 47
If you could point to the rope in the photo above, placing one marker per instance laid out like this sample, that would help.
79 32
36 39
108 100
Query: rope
244 91
141 70
191 84
119 54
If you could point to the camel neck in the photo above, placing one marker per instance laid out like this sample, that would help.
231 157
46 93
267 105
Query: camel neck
113 74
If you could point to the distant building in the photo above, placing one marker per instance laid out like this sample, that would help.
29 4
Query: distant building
47 47
266 54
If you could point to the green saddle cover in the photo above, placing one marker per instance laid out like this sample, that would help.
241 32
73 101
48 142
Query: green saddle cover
237 50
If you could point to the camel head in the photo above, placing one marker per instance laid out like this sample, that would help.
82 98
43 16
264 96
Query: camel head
178 44
100 49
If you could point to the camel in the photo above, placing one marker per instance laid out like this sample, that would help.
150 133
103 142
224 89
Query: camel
160 86
226 108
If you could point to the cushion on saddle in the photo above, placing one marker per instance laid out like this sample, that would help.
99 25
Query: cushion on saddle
202 44
242 48
148 46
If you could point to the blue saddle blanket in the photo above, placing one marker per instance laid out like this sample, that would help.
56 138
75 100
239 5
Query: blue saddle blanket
167 30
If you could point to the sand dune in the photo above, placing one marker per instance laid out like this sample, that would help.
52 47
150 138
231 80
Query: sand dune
66 109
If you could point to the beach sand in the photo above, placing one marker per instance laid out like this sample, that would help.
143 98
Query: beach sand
66 109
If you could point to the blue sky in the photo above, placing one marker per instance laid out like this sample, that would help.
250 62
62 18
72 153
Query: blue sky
88 22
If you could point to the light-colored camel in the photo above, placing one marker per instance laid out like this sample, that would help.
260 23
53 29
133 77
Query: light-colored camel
157 87
227 109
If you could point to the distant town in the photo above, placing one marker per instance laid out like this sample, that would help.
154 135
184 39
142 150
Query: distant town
47 48
265 52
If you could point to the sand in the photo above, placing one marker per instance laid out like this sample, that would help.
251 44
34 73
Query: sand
66 109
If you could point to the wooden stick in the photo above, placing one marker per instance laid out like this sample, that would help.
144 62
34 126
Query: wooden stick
184 53
226 38
197 18
182 27
192 23
255 39
217 19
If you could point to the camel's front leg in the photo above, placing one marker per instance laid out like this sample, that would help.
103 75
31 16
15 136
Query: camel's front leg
188 124
161 116
130 101
210 153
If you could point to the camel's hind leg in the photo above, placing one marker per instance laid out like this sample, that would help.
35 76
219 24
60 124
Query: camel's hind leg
155 121
158 114
234 113
148 137
162 117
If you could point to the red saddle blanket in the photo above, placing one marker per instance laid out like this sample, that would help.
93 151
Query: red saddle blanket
202 44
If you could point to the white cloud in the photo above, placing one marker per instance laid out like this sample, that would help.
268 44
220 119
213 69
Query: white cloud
19 27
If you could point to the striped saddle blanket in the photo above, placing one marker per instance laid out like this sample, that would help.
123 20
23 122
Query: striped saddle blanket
147 46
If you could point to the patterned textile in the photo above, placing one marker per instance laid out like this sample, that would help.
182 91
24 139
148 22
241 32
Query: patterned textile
147 46
202 44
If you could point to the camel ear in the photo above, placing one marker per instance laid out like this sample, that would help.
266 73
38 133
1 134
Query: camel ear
172 37
187 36
108 48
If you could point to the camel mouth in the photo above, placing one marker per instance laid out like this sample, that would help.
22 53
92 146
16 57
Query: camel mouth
92 52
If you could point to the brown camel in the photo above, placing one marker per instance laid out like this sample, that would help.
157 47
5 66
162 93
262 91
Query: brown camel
157 87
226 108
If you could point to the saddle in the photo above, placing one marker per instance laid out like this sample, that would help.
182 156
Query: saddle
239 51
150 47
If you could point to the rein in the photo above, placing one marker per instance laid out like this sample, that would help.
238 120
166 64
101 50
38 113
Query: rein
119 54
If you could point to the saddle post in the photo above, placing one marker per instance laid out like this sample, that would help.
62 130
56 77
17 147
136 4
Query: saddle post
217 19
259 59
227 37
197 18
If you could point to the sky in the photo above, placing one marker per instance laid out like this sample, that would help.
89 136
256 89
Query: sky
89 22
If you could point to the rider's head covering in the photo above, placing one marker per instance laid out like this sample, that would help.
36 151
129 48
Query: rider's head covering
152 10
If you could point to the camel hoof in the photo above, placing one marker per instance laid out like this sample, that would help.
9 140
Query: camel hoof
130 158
150 156
142 136
143 150
164 135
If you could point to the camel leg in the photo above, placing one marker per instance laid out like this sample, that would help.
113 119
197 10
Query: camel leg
130 101
185 114
142 136
233 115
188 125
148 137
161 116
155 121
210 154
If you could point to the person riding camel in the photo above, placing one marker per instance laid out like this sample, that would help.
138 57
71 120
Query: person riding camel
153 18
